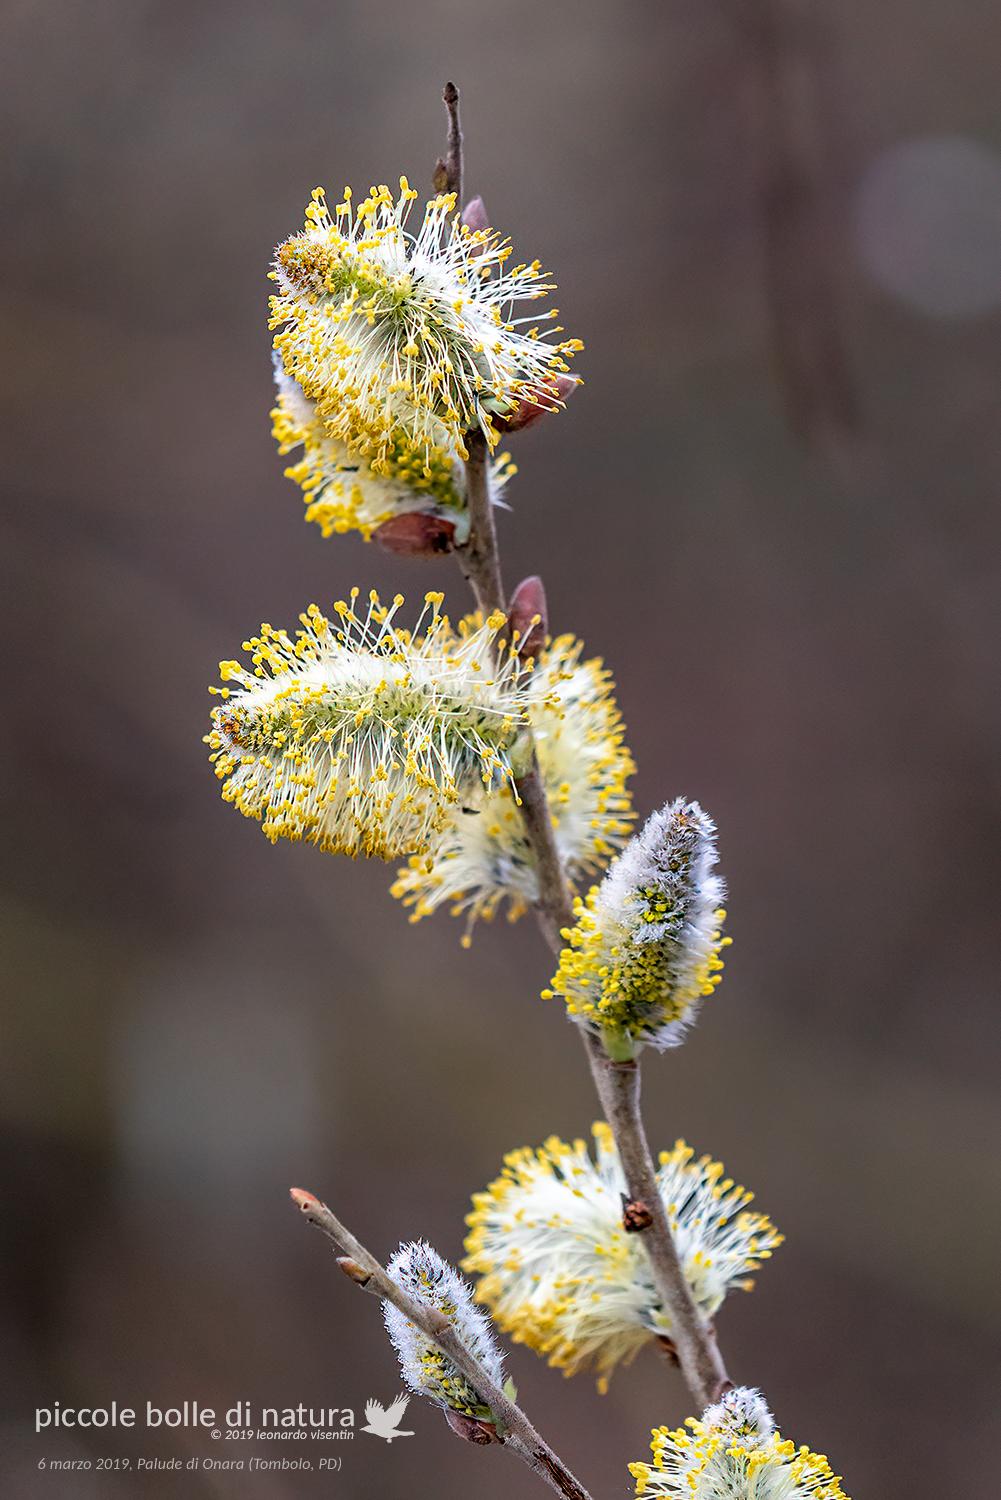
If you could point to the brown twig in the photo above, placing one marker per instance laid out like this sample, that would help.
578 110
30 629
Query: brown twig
368 1273
617 1084
554 906
448 168
478 556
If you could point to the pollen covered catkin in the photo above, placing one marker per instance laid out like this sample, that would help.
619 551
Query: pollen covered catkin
398 334
343 491
483 857
359 736
560 1272
645 948
733 1452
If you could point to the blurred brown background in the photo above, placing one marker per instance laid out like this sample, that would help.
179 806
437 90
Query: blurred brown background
773 507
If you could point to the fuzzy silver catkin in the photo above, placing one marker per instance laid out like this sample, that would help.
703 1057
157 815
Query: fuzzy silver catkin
421 1271
644 950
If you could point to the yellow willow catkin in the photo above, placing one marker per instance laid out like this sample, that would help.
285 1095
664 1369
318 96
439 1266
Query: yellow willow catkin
392 333
359 736
644 949
559 1271
733 1452
483 857
343 492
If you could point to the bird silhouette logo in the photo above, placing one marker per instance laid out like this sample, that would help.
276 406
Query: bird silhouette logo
383 1421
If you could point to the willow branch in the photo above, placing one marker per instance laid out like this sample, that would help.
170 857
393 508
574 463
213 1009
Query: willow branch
618 1088
369 1274
448 168
479 560
478 557
617 1085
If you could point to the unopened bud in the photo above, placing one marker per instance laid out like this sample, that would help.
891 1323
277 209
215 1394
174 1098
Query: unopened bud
306 1201
474 215
668 1349
528 617
353 1271
636 1216
472 1429
439 177
415 534
526 412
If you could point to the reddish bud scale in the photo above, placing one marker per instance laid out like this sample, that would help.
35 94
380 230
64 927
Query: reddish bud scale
528 616
474 215
472 1429
636 1216
415 535
527 412
353 1271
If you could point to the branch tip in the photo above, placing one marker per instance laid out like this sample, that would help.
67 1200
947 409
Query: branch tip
307 1202
509 1424
448 169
